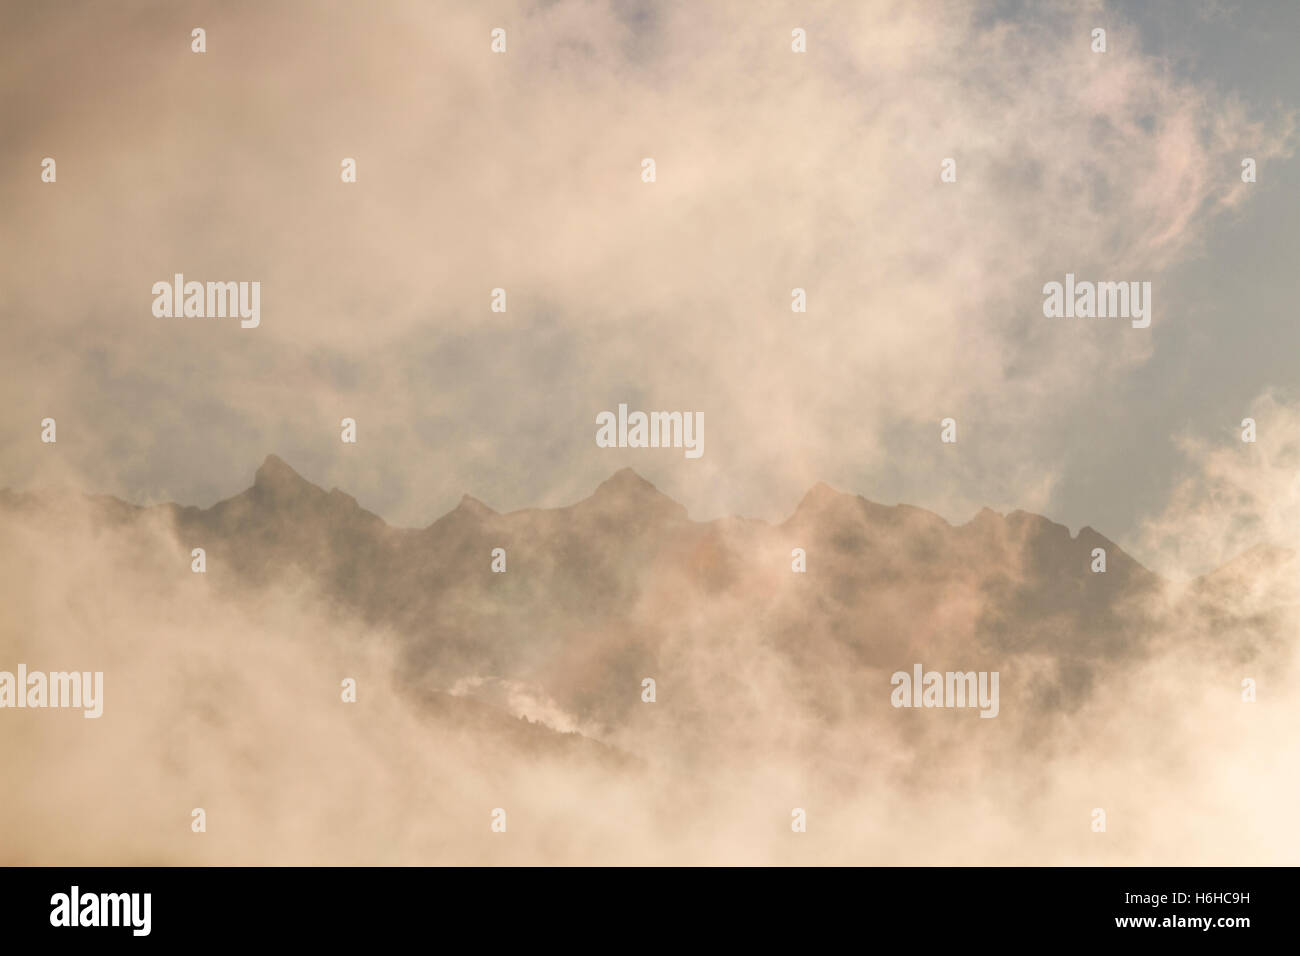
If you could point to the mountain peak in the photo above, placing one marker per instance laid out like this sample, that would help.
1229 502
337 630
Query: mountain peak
275 469
821 496
821 492
626 481
277 480
471 505
626 488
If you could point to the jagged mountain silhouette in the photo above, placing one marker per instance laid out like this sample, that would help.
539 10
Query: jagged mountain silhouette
601 592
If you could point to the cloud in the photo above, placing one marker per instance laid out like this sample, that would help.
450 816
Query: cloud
1235 495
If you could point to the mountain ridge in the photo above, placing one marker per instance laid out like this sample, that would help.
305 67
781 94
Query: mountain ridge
623 584
275 481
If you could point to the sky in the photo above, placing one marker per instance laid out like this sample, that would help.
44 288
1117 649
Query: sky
775 170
